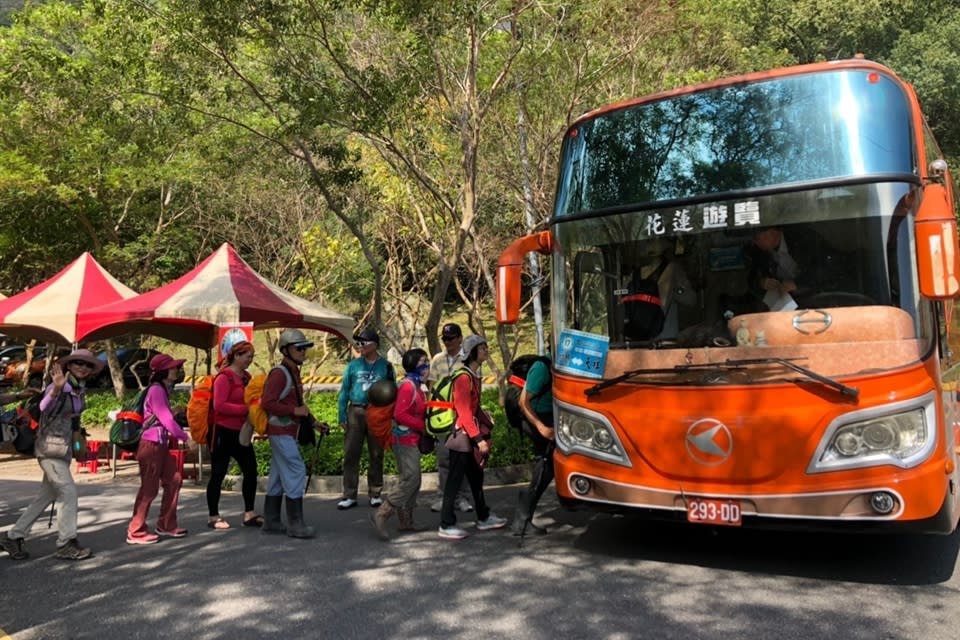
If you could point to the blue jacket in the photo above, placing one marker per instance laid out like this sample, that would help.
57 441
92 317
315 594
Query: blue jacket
357 378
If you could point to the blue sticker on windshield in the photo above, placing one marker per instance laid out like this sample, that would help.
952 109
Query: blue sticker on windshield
582 354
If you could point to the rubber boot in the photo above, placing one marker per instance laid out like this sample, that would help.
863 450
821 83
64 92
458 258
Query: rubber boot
296 527
405 516
523 519
272 521
379 519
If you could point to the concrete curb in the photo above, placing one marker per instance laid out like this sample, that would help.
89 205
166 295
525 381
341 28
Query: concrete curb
429 481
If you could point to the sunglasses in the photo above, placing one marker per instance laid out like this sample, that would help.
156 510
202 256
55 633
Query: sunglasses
81 363
449 338
301 349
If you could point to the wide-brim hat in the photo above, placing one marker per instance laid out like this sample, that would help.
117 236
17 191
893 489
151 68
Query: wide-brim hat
83 355
164 362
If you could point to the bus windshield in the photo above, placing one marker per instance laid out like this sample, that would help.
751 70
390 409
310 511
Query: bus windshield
835 124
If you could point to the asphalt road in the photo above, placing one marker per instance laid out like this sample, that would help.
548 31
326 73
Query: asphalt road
593 576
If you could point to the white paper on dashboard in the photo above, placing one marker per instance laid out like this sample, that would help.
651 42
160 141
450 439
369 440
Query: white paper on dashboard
777 301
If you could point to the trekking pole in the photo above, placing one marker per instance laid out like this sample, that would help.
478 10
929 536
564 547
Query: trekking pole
53 504
316 453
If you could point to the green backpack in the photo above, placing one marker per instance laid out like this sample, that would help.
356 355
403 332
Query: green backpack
441 416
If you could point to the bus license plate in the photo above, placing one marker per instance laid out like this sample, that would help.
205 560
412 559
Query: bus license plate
706 511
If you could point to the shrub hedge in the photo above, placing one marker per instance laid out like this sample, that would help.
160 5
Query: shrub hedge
509 446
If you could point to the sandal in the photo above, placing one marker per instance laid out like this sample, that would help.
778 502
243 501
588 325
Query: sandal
255 521
219 524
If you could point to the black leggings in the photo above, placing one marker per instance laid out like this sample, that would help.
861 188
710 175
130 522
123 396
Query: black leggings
226 445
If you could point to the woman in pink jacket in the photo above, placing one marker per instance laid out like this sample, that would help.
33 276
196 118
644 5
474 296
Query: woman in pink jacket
229 414
408 414
157 467
469 444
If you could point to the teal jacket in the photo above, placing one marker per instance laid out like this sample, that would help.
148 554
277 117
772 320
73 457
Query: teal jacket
357 378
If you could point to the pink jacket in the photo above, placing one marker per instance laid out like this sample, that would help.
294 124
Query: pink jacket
409 412
229 409
157 404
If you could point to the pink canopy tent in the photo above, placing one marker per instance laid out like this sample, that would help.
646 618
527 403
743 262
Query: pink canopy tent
221 289
49 311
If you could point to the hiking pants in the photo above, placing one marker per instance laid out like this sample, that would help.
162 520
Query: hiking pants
463 465
288 474
157 468
353 439
226 445
542 467
57 484
404 495
443 472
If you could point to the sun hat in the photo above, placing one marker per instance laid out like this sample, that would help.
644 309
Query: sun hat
164 362
293 338
469 344
83 355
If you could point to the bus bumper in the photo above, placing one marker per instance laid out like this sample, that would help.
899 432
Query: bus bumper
850 510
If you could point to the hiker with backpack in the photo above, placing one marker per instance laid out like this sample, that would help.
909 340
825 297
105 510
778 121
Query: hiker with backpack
60 409
408 413
157 467
229 415
283 401
441 366
469 444
359 376
536 406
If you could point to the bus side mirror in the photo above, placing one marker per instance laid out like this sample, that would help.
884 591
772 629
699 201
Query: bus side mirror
509 269
938 256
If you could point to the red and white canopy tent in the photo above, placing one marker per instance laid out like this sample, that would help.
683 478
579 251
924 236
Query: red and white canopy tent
220 290
49 311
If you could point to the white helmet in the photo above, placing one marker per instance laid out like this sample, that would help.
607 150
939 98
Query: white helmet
293 338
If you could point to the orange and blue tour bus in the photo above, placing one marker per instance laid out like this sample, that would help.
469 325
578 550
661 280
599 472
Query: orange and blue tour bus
752 283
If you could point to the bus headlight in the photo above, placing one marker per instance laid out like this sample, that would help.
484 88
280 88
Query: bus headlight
580 430
902 438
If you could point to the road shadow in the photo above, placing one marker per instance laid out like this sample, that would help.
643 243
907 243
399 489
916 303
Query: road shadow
864 558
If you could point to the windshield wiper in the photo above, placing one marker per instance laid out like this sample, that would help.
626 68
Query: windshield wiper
853 392
600 386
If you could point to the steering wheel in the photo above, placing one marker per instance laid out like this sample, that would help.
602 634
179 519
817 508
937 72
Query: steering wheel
837 299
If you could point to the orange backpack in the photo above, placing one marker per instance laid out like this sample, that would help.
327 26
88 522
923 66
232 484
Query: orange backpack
252 395
200 409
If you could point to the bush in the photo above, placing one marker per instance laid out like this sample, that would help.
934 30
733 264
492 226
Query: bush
509 445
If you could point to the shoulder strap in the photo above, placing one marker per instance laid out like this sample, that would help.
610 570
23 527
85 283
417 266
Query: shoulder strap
288 386
655 276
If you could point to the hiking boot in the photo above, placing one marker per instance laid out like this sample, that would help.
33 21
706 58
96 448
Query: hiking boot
379 520
13 546
492 521
73 551
376 501
272 520
405 516
346 503
452 533
296 527
463 505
